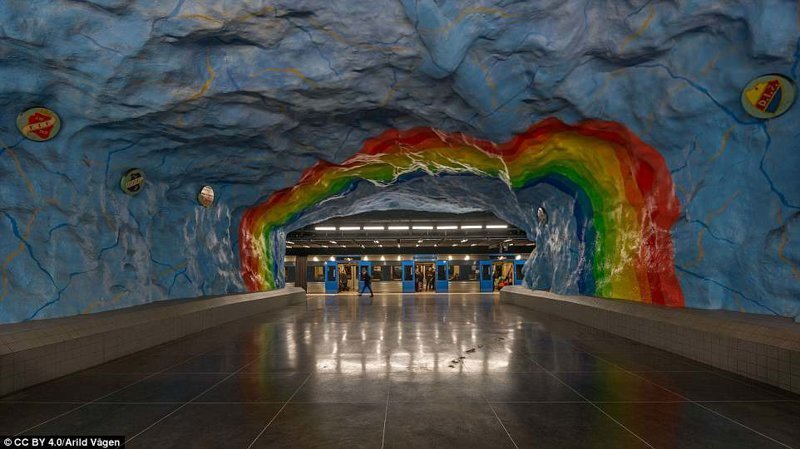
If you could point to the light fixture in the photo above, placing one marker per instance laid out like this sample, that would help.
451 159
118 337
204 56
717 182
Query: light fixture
306 246
496 226
349 228
366 257
344 246
447 227
399 258
380 246
324 246
315 259
422 227
449 257
417 245
398 228
435 244
376 241
518 257
362 245
325 228
291 243
464 240
373 228
466 257
507 240
454 244
332 241
473 244
332 259
383 258
471 226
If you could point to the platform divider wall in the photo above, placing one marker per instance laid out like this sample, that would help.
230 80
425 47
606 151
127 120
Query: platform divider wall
759 347
36 351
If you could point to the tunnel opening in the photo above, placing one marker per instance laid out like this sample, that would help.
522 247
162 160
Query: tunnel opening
608 198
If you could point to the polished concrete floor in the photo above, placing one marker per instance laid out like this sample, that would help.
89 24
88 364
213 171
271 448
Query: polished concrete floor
406 371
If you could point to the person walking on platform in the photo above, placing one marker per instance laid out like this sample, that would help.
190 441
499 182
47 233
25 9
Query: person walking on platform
430 277
367 283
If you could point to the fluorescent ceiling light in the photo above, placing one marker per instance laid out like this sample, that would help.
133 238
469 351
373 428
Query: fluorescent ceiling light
398 228
376 241
447 227
419 241
507 240
464 240
325 228
471 226
473 244
380 246
466 257
518 257
349 228
449 257
306 246
332 241
417 245
291 243
454 244
373 228
422 227
496 226
324 246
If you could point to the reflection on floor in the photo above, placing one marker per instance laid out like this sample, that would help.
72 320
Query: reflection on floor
408 371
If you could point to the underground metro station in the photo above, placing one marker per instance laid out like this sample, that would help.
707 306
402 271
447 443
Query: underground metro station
399 224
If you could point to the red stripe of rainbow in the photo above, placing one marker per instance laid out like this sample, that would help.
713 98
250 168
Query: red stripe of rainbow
626 183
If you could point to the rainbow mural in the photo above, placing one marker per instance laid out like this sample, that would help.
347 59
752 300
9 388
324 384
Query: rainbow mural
623 189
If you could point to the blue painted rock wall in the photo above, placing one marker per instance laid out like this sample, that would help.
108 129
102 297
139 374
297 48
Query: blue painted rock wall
244 95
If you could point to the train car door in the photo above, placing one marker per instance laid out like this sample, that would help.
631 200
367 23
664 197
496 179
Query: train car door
442 276
408 276
331 277
518 275
362 265
487 283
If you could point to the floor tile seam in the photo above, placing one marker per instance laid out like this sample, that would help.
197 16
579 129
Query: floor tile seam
700 405
111 393
177 409
278 412
597 407
500 421
386 411
730 376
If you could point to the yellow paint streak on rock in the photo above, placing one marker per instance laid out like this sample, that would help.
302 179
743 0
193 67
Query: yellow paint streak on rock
640 31
711 216
722 145
212 75
202 17
240 17
390 94
21 172
114 299
291 71
177 268
466 12
13 255
352 43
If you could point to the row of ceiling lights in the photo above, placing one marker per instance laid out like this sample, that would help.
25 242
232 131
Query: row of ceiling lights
406 228
383 258
380 245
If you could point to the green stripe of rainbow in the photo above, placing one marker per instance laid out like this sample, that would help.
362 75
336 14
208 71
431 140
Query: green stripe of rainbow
626 182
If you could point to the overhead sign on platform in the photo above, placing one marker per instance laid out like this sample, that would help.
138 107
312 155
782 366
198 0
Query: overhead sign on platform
768 96
39 124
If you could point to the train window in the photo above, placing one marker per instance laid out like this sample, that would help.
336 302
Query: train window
377 271
486 272
518 272
441 272
289 274
315 273
395 273
408 274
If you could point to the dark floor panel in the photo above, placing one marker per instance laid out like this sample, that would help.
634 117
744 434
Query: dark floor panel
616 386
141 363
106 419
75 388
351 426
214 364
16 417
712 387
165 387
436 388
255 387
528 387
778 420
342 388
685 425
564 426
211 426
576 361
431 425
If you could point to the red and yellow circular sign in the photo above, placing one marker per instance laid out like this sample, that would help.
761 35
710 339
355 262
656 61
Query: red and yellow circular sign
39 124
768 96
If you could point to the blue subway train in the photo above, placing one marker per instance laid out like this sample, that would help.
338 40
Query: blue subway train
410 273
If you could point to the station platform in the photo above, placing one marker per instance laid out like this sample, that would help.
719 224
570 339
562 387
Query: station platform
399 371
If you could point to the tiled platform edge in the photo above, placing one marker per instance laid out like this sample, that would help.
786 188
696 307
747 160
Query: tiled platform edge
763 348
37 351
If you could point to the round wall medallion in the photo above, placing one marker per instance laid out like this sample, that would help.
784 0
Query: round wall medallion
132 181
206 196
541 216
768 96
39 124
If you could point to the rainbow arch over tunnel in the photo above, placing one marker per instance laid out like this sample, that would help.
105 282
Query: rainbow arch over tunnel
622 186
